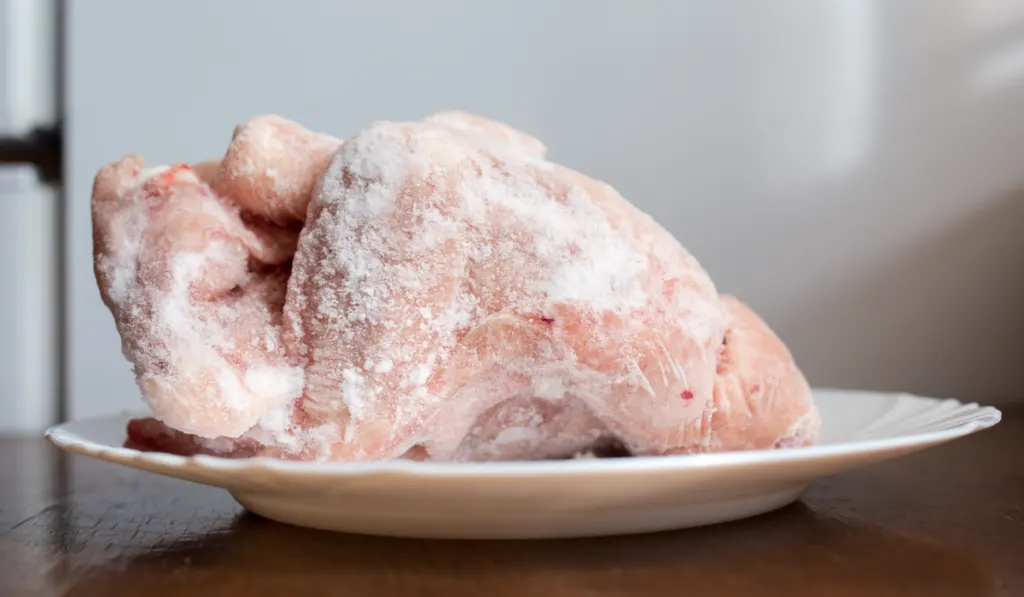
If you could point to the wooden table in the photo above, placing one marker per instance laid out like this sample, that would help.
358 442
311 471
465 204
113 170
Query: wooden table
947 521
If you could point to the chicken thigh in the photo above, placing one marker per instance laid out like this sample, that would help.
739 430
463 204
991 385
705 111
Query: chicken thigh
452 295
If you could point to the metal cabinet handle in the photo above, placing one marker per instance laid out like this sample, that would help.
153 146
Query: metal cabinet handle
42 148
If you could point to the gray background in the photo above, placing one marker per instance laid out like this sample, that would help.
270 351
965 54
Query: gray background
854 170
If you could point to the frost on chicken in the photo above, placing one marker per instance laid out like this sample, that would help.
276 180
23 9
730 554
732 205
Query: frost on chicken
429 290
196 279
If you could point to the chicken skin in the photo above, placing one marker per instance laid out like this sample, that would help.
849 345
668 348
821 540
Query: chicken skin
434 290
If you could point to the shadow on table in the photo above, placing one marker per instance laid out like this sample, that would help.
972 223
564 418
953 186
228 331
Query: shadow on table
794 551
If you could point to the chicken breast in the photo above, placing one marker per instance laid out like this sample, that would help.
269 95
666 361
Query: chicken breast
452 295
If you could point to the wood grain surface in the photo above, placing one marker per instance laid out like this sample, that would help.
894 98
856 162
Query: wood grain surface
947 521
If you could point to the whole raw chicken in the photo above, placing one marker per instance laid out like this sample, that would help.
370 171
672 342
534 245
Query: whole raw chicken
432 290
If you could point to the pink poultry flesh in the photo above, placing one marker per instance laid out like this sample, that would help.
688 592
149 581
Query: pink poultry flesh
433 290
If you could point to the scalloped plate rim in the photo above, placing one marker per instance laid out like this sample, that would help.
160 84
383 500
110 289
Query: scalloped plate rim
976 418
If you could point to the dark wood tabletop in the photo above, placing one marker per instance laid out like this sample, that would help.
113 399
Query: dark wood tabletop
946 521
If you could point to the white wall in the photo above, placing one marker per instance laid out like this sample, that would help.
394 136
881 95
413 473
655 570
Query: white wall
855 170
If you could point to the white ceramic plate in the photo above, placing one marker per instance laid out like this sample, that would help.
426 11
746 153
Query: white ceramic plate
571 498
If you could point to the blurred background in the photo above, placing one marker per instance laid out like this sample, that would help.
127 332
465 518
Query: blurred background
852 169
